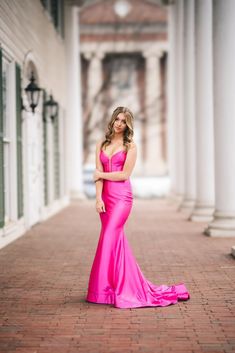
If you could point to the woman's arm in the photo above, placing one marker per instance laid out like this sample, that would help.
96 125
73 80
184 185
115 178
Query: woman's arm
127 169
99 166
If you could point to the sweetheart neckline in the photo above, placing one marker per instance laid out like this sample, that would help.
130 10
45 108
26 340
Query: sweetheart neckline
112 154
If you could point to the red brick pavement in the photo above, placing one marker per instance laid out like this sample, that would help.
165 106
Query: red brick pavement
44 277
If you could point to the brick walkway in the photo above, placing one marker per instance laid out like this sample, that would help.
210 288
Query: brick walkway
44 276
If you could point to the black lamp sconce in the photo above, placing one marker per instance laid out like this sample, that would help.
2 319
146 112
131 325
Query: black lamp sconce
33 93
51 107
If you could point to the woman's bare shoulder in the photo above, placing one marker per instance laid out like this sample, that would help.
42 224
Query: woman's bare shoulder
132 145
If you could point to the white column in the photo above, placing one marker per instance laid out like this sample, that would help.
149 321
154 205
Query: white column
95 108
189 108
154 163
205 185
95 78
73 122
171 99
179 113
224 118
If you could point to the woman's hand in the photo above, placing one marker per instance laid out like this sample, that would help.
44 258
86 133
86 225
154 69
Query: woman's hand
100 207
96 175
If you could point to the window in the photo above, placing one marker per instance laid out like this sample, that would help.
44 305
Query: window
10 142
6 136
56 136
55 8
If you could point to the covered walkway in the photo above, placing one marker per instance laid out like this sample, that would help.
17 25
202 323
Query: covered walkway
44 276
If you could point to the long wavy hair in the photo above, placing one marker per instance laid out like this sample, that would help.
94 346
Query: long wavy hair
128 132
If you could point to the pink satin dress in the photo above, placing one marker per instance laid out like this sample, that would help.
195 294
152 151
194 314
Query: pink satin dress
115 276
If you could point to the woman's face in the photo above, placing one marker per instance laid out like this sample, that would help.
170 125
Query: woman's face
120 123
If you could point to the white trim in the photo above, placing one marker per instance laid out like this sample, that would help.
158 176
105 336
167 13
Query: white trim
11 107
153 47
6 52
11 232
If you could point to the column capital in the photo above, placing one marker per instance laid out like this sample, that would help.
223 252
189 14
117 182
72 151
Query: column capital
156 54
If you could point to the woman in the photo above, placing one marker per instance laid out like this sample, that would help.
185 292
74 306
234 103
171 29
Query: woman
115 276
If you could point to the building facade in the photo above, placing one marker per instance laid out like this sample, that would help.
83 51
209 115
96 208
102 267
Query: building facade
37 173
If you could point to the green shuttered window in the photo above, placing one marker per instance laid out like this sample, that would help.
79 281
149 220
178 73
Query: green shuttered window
55 8
45 150
19 143
2 213
57 157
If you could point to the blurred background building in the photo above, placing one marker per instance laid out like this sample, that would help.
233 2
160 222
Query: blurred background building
66 64
124 55
124 63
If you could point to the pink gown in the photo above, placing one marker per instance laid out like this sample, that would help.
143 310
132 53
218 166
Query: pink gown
115 276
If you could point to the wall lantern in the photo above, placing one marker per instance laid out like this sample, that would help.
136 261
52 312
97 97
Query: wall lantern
33 93
52 107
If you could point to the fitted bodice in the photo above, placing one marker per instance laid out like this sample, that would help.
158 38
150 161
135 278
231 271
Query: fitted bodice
119 189
114 163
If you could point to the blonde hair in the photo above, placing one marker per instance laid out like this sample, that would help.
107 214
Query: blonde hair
128 132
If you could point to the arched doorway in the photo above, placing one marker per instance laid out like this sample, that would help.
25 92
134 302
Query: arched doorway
33 159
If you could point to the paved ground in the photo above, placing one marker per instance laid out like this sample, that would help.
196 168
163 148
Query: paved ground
44 274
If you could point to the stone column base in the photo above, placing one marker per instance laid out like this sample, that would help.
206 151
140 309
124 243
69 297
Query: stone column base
233 251
221 226
202 214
